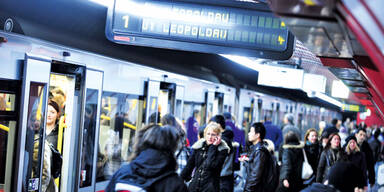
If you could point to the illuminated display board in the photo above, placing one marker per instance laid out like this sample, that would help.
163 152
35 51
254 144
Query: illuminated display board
201 28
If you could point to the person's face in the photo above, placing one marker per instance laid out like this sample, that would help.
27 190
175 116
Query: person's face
312 137
335 142
210 136
285 120
352 145
252 136
338 124
360 136
52 115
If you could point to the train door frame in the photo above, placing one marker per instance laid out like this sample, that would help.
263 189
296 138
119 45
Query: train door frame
10 86
208 110
38 70
34 67
153 90
93 81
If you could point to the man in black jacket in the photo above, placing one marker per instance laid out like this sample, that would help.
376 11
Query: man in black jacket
257 170
366 149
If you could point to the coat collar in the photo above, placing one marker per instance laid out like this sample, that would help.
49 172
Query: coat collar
200 143
293 146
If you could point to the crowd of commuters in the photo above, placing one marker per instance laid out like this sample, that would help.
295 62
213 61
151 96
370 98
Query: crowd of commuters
341 157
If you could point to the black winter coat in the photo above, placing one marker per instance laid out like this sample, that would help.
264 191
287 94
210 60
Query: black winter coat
366 149
313 152
152 170
319 187
256 168
291 166
376 149
327 158
208 161
358 159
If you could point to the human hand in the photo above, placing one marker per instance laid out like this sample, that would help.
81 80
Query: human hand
286 183
217 140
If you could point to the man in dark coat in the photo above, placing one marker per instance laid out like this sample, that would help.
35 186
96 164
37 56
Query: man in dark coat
289 125
375 145
366 149
257 169
335 126
273 133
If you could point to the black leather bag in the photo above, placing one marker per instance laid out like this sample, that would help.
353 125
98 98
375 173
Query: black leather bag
56 162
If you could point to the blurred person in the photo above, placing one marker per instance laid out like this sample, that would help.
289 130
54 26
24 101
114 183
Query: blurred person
206 161
366 149
356 157
322 126
273 132
290 126
375 145
292 162
335 126
323 140
343 177
182 153
343 132
152 164
154 118
312 150
238 138
193 124
259 162
331 154
52 128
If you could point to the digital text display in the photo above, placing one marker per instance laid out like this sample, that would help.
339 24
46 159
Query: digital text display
204 24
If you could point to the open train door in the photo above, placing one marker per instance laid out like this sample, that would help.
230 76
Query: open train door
87 167
63 83
33 113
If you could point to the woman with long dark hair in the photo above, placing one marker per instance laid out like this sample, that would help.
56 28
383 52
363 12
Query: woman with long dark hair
152 165
331 154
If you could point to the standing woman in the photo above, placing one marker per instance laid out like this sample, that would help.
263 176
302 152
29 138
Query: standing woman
207 159
51 129
312 150
356 157
290 173
331 154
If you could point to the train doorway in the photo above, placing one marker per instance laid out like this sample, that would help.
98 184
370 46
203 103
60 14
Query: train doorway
163 98
51 116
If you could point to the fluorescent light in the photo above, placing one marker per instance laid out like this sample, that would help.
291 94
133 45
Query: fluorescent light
325 97
339 89
244 61
105 3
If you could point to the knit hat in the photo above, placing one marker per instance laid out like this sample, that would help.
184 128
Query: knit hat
350 138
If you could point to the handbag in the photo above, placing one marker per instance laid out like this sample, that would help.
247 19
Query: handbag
306 169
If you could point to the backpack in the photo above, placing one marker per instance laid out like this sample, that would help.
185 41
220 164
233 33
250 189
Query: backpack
272 172
123 187
56 162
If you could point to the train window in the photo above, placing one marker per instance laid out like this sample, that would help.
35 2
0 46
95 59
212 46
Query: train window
34 135
118 124
191 118
88 137
152 110
178 108
5 126
7 102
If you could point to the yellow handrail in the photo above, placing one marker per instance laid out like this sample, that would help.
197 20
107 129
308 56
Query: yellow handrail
5 128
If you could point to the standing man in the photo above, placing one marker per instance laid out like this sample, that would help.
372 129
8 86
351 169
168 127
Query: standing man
273 133
290 126
366 149
258 171
336 124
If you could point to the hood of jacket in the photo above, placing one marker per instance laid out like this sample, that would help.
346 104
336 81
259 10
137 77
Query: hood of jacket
148 167
200 143
293 146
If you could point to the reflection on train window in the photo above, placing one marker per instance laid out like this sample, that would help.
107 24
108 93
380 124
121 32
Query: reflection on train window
118 122
7 102
34 135
88 137
5 127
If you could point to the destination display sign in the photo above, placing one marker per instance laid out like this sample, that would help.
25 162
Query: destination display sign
197 27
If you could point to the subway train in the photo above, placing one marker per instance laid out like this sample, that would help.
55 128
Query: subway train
103 106
107 91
